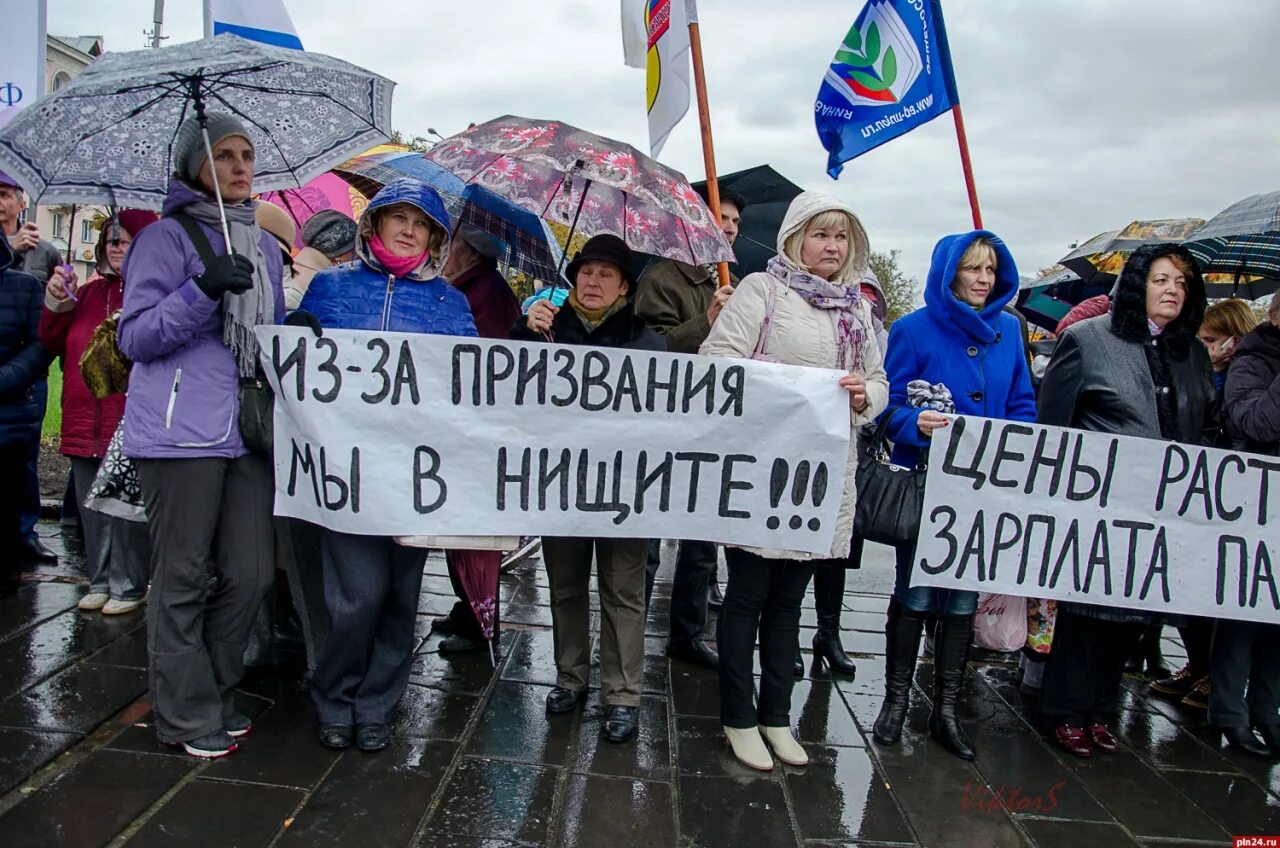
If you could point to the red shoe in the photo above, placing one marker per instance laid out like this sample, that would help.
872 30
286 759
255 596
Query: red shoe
1102 739
1073 740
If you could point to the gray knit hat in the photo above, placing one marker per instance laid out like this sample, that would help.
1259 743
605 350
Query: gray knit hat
188 147
330 232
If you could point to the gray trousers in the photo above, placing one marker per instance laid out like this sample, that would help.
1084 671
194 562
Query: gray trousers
117 551
371 588
620 575
203 511
1245 656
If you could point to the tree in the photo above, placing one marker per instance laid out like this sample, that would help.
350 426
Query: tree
416 143
901 293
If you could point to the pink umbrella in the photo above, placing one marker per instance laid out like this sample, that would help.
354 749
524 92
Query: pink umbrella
589 183
327 191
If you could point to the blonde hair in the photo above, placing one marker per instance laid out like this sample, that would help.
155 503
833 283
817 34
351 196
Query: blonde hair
1229 318
978 251
793 247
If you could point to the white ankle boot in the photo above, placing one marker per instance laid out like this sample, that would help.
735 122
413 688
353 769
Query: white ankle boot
749 748
785 745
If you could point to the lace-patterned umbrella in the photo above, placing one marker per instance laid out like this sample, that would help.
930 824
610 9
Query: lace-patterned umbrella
107 136
589 183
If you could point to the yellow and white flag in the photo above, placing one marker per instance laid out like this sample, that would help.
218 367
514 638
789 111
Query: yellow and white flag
655 36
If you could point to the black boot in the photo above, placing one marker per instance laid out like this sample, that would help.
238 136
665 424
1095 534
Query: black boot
902 643
950 656
828 599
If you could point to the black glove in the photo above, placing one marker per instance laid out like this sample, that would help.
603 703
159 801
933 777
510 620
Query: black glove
302 318
226 274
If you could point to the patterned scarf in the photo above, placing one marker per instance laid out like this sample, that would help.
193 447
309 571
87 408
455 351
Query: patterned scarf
593 318
823 294
242 312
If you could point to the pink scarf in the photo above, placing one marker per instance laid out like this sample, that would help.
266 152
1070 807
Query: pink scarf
398 265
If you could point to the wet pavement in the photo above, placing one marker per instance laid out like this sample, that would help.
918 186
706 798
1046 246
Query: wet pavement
475 760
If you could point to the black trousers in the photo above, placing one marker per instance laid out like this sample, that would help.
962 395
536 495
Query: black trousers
1081 683
695 563
1197 637
763 597
1245 670
13 462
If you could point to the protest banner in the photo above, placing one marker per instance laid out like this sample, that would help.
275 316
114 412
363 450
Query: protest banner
398 435
1052 512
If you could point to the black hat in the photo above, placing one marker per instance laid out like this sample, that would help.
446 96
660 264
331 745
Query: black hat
603 248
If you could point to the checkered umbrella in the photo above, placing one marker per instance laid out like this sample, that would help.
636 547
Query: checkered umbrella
1242 240
527 247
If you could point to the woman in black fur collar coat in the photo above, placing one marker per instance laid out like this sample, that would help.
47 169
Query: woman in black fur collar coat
1137 371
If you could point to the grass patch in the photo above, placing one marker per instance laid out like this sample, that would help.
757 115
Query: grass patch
53 411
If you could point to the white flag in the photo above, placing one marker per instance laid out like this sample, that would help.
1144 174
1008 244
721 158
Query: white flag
22 43
267 21
655 36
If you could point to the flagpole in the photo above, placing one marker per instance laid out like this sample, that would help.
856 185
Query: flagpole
963 142
704 124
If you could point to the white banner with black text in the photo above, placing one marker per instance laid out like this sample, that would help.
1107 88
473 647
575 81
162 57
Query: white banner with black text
1053 512
411 435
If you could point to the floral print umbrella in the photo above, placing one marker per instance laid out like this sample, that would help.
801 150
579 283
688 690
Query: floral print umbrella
589 183
1106 253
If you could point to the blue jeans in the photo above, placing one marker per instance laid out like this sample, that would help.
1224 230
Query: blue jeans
947 602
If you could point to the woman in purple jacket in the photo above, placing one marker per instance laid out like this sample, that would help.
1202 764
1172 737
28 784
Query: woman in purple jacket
188 327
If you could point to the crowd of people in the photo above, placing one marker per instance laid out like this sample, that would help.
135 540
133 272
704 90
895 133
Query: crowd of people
180 301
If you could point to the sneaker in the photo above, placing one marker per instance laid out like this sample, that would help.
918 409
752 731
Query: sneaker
529 545
237 725
94 601
1177 685
114 607
1198 697
211 747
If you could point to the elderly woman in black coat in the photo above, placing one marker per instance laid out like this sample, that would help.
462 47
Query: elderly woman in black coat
1138 371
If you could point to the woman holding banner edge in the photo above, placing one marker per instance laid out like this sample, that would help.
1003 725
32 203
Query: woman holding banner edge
599 312
962 353
371 583
806 308
1138 371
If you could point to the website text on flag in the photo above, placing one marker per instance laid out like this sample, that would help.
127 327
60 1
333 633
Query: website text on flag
891 73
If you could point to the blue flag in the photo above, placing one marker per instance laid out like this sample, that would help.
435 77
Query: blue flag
891 74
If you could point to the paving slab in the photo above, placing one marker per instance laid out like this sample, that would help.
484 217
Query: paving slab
215 814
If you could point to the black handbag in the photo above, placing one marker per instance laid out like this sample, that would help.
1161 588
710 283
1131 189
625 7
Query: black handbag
257 402
890 498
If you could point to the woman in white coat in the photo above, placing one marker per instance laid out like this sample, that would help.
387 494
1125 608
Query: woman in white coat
806 309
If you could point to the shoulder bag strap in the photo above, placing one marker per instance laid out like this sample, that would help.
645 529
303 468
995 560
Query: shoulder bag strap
198 239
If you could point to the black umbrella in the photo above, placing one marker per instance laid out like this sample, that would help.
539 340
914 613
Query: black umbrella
767 195
1241 241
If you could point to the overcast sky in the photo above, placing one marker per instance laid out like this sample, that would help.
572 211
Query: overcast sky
1082 115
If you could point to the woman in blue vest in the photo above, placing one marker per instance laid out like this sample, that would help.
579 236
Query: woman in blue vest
962 353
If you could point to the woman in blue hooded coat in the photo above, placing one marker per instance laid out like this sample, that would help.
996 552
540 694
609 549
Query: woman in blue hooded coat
962 353
371 583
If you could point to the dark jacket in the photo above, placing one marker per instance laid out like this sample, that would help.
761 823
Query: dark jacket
362 295
674 298
978 354
39 261
1252 405
493 304
1109 375
65 330
1103 375
621 329
23 362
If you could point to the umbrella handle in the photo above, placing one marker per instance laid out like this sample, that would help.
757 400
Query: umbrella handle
568 242
217 190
